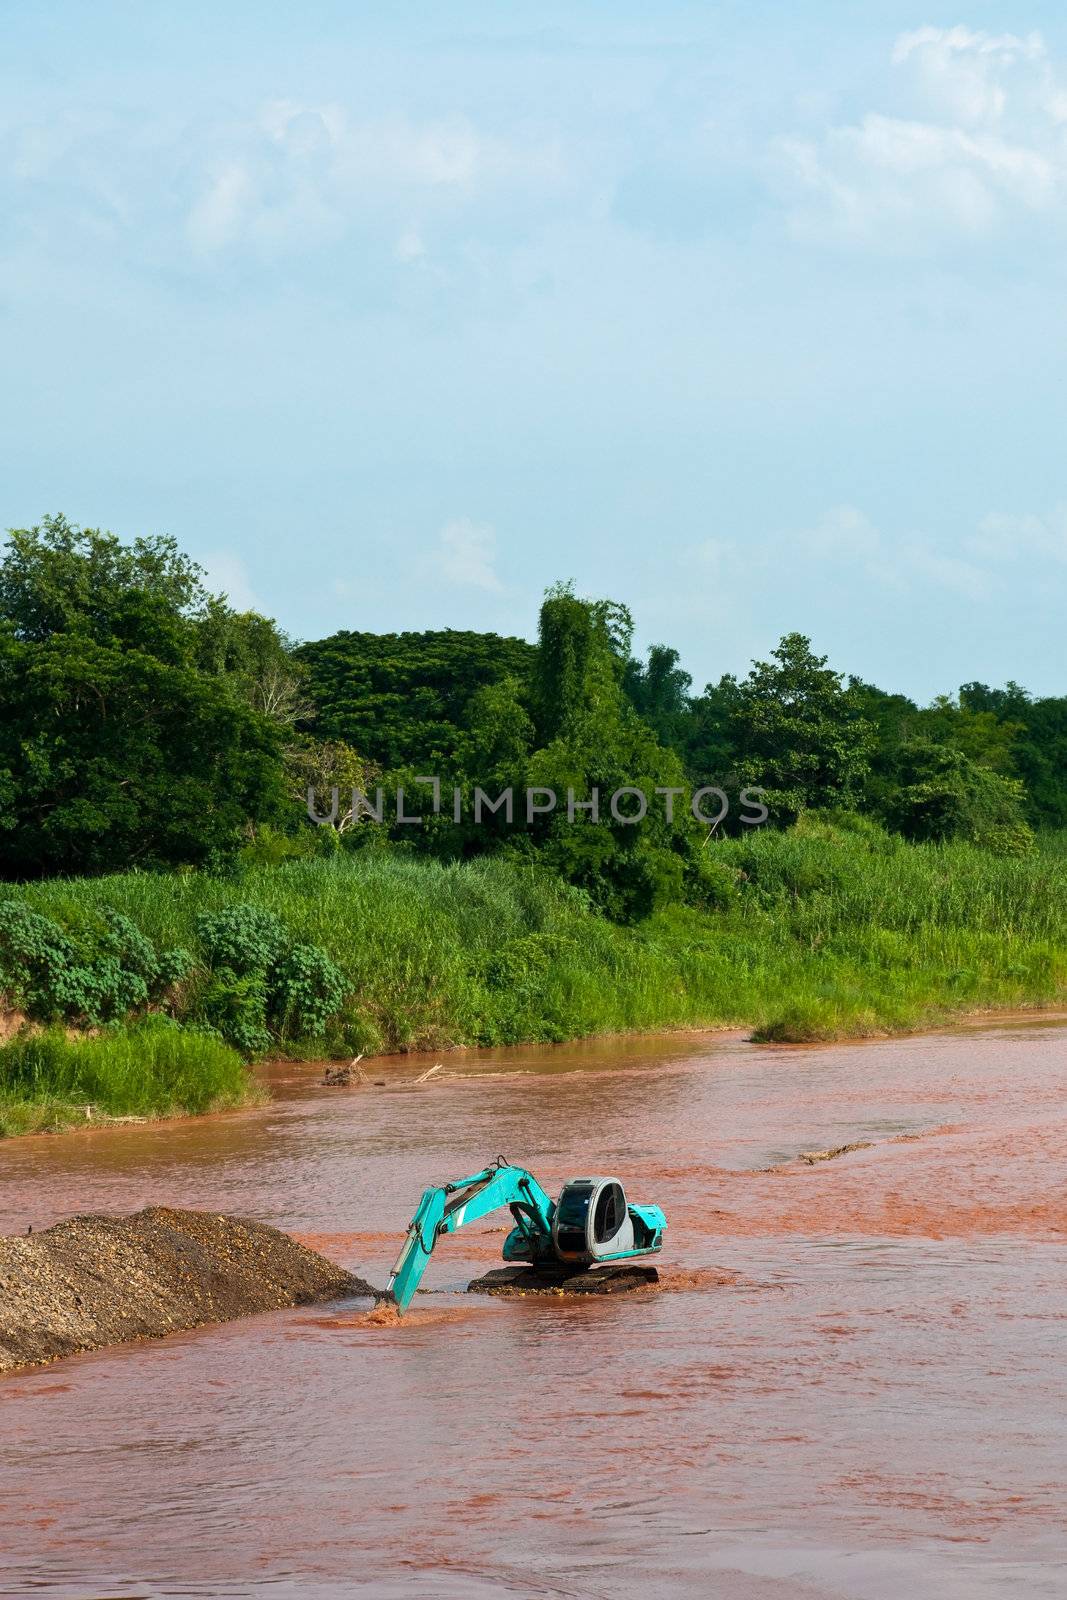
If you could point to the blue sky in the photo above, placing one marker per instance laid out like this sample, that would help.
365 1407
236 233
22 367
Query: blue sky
751 315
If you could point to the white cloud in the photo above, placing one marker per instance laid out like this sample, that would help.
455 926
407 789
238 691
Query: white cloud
962 73
985 140
467 555
217 215
954 573
845 537
844 534
409 246
1003 537
846 541
226 573
295 175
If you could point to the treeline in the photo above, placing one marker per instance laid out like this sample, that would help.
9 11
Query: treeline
146 723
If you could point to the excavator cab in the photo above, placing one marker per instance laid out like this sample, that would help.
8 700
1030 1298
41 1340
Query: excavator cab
592 1222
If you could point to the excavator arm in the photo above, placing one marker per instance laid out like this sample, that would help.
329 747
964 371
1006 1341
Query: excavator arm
453 1205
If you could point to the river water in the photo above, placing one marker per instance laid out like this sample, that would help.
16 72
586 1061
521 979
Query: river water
851 1383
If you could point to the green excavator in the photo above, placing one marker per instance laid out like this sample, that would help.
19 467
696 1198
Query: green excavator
589 1223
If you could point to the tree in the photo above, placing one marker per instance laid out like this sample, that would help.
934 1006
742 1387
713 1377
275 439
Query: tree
320 766
57 578
659 691
984 737
943 794
1009 704
1041 761
1039 746
593 740
402 698
115 749
257 659
573 647
795 731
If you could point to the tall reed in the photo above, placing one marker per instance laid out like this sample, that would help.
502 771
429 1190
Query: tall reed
828 932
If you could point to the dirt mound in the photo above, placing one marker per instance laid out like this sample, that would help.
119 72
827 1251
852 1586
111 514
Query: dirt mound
95 1281
564 1280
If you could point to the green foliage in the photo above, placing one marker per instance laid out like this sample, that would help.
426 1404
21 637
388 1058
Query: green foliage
58 578
234 1005
256 660
659 692
792 729
107 971
521 962
401 699
242 937
1039 745
834 921
318 767
571 730
115 748
262 985
154 1069
593 746
572 650
979 734
144 721
306 991
1041 761
943 794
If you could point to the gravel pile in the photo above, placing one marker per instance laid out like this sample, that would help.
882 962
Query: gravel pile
95 1281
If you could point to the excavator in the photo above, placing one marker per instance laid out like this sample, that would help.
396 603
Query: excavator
589 1223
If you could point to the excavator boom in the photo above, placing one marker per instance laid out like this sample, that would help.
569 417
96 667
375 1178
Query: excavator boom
450 1207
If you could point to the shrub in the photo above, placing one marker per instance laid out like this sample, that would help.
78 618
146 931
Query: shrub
306 991
261 982
244 938
38 963
945 795
106 972
234 1005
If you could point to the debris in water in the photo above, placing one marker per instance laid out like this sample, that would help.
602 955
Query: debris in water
343 1077
811 1156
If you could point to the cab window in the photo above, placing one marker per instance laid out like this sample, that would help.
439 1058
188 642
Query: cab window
610 1213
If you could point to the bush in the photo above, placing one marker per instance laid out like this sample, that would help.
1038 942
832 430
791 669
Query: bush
108 971
261 982
234 1005
306 991
243 938
945 795
38 963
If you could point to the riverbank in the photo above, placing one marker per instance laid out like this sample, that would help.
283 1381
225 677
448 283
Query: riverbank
155 1069
821 933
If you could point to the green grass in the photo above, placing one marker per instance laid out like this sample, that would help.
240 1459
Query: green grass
153 1069
831 932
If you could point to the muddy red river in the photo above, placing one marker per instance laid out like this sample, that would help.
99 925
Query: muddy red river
851 1383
